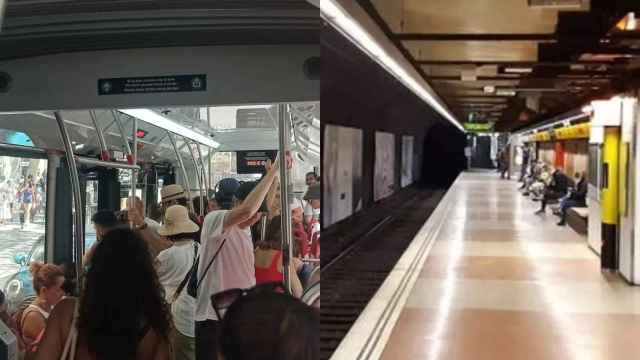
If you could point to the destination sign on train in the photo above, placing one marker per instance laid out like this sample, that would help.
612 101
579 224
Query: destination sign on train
253 162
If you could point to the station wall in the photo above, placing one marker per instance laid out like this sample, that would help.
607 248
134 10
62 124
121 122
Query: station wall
357 93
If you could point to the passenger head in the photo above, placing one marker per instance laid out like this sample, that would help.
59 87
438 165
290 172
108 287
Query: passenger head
243 191
137 205
104 221
121 297
173 194
177 224
212 205
225 191
47 282
311 178
297 212
155 212
270 325
313 196
273 235
201 200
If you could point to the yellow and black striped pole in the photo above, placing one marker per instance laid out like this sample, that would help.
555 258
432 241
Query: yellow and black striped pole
609 199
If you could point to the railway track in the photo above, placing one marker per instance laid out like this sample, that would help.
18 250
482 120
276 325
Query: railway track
352 277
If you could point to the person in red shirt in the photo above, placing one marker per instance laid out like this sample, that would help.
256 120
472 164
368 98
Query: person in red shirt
268 259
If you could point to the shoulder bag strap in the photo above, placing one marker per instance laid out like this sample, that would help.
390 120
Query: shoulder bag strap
190 273
206 270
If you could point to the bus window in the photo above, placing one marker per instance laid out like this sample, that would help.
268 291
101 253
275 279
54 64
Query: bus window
22 223
91 207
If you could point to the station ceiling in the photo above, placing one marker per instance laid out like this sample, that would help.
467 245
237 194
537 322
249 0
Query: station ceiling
515 62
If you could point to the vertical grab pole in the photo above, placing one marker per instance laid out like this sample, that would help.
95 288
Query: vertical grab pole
104 153
184 171
283 142
77 200
134 156
197 169
204 170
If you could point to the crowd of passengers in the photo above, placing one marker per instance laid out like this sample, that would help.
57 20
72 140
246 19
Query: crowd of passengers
184 287
549 184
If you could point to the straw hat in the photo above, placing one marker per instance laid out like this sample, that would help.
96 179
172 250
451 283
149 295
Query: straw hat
172 192
176 221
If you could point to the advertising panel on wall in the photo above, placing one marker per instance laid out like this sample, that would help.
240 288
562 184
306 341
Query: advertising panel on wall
342 171
384 170
407 161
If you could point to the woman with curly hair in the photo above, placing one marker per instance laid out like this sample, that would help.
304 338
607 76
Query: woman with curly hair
121 313
47 282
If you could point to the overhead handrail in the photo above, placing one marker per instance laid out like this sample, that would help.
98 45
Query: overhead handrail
107 164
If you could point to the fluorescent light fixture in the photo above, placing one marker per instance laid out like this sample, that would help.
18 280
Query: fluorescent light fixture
518 70
163 122
587 109
489 89
333 13
505 92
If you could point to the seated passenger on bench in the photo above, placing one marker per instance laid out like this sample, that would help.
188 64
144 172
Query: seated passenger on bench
557 189
577 197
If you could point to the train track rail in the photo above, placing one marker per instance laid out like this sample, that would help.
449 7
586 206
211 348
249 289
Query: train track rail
351 278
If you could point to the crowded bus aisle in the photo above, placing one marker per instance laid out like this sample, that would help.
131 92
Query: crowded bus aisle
503 283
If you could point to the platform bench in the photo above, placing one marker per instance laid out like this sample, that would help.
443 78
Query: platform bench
577 219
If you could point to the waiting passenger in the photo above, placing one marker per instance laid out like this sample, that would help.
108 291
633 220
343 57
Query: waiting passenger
556 189
268 259
47 282
577 197
261 324
226 259
121 313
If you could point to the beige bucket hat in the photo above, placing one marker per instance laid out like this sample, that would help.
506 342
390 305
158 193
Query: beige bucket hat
172 192
176 221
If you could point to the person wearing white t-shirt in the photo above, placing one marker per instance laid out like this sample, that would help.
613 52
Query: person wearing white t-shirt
139 206
225 232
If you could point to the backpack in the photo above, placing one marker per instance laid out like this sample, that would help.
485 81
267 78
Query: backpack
191 278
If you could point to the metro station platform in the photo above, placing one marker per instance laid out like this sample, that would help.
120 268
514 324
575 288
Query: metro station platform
487 279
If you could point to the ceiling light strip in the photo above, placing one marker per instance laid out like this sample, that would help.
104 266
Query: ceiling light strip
155 119
342 21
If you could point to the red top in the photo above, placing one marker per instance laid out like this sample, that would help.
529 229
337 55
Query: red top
302 239
270 274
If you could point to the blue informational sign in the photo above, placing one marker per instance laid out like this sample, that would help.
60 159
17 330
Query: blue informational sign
152 84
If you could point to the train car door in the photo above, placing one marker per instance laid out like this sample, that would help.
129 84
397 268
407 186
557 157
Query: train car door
627 191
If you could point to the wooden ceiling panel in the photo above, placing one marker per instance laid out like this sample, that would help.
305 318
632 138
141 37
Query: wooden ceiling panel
473 50
477 17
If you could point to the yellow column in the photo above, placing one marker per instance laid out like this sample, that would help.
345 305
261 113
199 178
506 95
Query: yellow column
609 198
